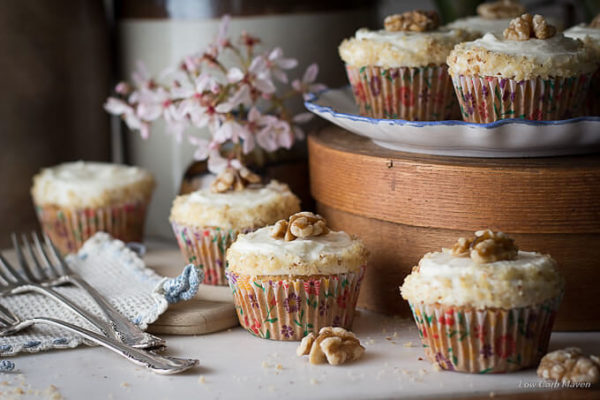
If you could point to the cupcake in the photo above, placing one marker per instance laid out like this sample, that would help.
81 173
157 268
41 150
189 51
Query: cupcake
531 72
77 199
401 72
295 277
207 221
590 35
491 17
484 306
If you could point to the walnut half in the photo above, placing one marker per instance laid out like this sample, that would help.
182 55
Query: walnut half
333 345
569 366
233 179
486 247
527 27
500 9
415 21
300 225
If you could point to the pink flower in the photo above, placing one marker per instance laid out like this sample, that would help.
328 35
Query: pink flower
277 64
307 85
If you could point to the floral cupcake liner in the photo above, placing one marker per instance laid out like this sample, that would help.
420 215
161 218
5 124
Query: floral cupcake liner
205 248
409 93
488 99
485 341
289 309
69 228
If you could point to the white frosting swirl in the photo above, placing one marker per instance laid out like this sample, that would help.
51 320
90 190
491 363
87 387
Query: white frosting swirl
258 253
458 281
91 184
582 31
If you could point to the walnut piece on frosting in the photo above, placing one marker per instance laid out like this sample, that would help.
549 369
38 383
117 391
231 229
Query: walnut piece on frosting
500 9
233 179
486 247
415 21
570 366
595 23
333 345
527 27
300 225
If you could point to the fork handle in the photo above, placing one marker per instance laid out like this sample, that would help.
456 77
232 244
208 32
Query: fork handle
126 331
155 362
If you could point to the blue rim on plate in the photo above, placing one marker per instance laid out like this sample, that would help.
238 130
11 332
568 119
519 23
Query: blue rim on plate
311 105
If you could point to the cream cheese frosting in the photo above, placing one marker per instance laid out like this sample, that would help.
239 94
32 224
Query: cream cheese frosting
590 36
253 207
481 26
440 277
91 184
258 253
492 55
399 49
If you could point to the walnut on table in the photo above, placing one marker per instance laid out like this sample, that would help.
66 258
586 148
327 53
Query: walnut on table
486 247
570 366
413 21
529 26
300 225
500 9
333 345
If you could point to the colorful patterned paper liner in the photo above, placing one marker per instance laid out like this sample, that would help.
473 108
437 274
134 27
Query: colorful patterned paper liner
69 228
409 93
485 341
487 99
291 309
205 248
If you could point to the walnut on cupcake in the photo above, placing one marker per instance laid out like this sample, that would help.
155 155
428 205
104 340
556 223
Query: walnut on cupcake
400 71
295 277
495 304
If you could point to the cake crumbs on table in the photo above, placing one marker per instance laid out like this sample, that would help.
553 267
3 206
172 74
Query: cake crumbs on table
313 381
201 379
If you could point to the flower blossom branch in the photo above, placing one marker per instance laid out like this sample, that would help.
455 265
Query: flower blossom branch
240 105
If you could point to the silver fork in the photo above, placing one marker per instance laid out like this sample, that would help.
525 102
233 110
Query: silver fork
40 280
11 324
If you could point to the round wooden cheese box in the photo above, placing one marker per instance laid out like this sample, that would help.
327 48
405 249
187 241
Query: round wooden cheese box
404 205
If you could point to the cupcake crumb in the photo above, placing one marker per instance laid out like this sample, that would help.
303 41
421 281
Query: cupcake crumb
201 379
408 344
313 381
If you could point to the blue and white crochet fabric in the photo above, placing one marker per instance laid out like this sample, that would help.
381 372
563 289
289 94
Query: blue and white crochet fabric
117 273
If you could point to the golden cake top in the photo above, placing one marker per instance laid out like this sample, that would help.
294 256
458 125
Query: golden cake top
487 271
252 207
411 39
312 249
529 49
84 184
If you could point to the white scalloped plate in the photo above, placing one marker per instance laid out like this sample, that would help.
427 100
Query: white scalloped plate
505 138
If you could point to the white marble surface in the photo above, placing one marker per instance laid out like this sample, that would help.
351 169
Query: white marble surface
234 365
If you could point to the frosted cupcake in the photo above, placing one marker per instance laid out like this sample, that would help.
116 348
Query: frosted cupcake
75 200
491 17
401 72
484 306
531 72
590 35
295 277
207 221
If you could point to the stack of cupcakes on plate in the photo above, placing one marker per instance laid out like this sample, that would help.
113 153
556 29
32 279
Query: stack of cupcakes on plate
530 72
207 221
590 35
75 200
484 306
401 72
295 277
491 17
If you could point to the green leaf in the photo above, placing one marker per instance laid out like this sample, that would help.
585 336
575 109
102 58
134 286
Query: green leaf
268 334
485 371
271 320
